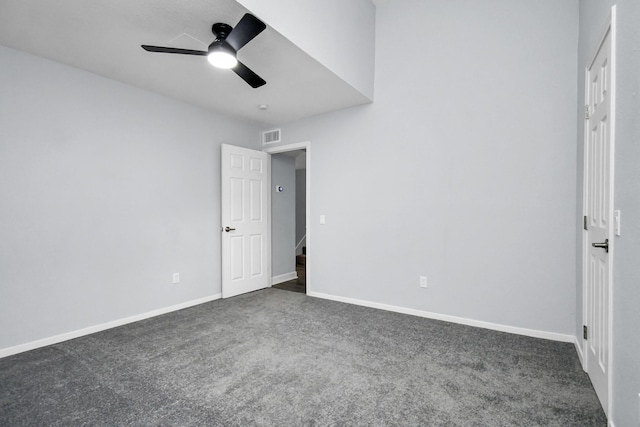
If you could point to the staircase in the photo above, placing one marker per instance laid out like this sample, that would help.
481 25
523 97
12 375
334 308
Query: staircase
301 266
299 284
302 258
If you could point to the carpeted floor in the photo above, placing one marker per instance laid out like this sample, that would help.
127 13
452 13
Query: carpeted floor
278 358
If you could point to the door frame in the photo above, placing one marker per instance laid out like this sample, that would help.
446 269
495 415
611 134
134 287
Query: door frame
610 31
305 145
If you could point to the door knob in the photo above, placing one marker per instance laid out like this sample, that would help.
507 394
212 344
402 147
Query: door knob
604 245
228 229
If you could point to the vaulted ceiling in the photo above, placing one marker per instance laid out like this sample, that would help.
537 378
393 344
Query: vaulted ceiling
104 37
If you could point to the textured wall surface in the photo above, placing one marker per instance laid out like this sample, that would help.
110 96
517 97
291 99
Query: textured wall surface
466 169
283 215
339 34
107 190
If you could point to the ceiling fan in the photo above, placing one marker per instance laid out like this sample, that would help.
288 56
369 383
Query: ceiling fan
222 52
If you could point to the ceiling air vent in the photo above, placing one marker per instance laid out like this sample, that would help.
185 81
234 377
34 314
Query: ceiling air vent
271 136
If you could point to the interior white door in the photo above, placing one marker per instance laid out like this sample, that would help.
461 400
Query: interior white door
599 213
245 220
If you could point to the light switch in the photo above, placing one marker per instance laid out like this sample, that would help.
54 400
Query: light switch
323 220
616 222
423 281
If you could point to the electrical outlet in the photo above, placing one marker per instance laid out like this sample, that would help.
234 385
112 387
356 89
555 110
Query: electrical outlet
176 278
423 281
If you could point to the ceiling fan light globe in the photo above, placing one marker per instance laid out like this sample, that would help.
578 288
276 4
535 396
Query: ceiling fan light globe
222 59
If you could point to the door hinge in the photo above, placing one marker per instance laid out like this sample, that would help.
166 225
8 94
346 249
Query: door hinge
586 112
584 223
584 332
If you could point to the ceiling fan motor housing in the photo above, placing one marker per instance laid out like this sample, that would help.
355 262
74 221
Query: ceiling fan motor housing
221 46
221 31
219 50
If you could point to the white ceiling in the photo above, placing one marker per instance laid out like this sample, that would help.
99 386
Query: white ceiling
104 37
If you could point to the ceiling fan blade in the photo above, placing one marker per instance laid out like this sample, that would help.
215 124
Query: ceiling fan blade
162 49
248 76
248 27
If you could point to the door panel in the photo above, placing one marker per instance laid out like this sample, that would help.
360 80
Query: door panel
244 205
257 196
256 255
598 209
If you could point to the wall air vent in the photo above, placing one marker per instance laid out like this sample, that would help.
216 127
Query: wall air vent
271 136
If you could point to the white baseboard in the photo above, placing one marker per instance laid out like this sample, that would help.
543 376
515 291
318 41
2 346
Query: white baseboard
284 278
453 319
578 346
4 352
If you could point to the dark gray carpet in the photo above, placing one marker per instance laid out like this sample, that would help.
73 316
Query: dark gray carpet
278 358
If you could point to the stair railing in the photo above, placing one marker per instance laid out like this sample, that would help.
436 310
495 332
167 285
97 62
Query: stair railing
299 243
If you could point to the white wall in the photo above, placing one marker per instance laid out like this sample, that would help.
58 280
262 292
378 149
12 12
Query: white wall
283 219
339 34
106 191
594 15
466 167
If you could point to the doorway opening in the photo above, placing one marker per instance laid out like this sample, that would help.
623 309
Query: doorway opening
290 199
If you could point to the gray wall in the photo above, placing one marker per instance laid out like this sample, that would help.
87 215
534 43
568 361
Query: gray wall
594 15
283 220
106 191
336 33
301 207
466 168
